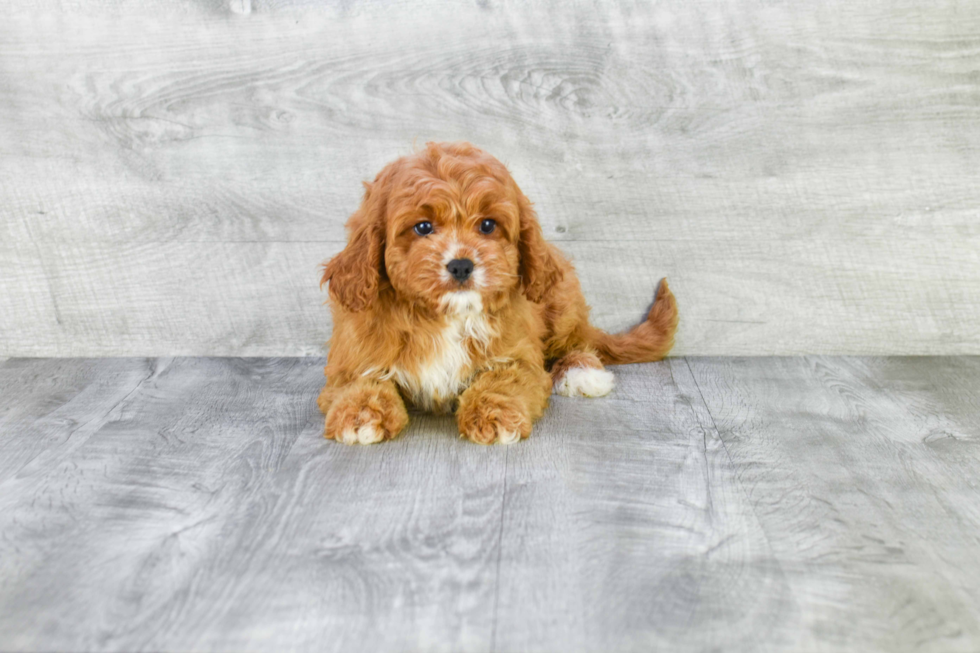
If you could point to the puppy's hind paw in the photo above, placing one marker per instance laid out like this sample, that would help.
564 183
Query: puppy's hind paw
585 382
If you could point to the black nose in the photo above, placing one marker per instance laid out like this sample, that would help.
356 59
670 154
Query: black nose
460 268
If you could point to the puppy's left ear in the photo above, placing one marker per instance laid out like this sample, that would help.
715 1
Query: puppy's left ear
539 266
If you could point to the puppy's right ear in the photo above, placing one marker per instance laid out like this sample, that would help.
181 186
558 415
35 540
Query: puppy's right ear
355 273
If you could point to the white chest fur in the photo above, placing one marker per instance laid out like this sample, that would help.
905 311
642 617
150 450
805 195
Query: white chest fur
448 369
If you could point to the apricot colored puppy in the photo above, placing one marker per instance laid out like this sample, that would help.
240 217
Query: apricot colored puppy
447 298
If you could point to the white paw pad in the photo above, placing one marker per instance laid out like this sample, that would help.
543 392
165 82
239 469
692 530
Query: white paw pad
507 437
366 434
504 437
585 382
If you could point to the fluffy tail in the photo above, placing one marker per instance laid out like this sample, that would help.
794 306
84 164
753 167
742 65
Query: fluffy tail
648 341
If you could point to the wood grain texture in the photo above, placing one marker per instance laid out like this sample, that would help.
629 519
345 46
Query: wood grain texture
204 510
863 473
779 504
172 173
625 530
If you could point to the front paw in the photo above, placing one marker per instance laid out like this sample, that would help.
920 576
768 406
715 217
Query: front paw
366 416
492 417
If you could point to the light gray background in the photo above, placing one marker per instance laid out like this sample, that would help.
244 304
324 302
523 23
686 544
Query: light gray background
805 173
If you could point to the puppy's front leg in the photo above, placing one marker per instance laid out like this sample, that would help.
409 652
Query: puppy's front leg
363 412
503 402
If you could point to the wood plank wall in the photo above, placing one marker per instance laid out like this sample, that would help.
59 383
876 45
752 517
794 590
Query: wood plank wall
805 174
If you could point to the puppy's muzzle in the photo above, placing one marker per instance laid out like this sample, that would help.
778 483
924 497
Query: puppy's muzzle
460 268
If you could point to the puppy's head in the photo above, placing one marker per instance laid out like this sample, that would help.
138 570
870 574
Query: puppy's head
447 228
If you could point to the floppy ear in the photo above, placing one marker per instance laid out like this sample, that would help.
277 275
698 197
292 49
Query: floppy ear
355 273
539 268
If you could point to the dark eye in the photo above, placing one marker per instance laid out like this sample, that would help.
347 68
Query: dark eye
487 226
423 228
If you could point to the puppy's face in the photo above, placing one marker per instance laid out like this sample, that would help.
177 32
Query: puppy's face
446 228
447 239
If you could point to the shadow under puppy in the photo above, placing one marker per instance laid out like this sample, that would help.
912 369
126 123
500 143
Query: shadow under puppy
448 297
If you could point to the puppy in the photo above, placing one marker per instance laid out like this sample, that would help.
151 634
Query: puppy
447 298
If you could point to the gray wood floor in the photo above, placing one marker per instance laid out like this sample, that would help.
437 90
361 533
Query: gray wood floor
734 504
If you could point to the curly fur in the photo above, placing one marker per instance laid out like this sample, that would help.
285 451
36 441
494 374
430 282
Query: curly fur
405 330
